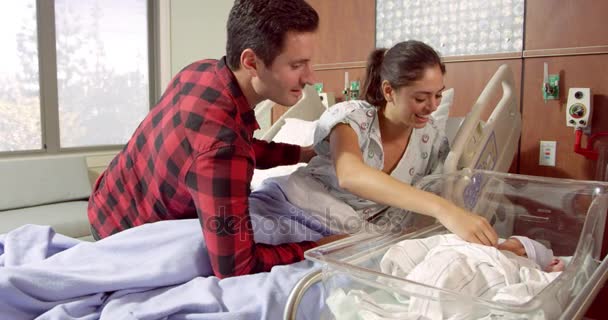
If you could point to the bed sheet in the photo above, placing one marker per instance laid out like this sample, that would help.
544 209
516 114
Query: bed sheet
155 271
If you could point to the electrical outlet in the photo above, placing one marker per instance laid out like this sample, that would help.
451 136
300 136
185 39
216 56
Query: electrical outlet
547 153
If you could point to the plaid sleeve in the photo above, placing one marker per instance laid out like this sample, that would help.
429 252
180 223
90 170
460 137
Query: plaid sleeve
272 154
219 183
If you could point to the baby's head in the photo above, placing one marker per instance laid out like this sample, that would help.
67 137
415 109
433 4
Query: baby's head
526 247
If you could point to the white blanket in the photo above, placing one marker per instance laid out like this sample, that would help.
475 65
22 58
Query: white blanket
448 262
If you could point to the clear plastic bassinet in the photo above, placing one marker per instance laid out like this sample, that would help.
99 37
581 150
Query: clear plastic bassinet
568 216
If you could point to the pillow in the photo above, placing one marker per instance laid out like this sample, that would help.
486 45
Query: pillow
296 131
443 111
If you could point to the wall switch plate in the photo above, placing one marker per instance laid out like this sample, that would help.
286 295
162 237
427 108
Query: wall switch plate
547 153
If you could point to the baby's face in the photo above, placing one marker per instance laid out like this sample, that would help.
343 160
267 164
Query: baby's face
514 246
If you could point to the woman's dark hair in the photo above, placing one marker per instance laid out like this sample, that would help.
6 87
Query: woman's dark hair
402 64
262 25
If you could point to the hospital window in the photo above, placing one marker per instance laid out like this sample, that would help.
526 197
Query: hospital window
74 74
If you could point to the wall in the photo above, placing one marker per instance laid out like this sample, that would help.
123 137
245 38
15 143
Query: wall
198 30
554 28
345 41
554 34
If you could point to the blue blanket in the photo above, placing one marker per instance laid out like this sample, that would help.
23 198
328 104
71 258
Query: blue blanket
155 271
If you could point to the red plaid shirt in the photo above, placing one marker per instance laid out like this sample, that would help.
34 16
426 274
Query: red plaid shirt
194 155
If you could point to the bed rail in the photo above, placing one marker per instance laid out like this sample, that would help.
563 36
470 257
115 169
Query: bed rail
490 145
298 291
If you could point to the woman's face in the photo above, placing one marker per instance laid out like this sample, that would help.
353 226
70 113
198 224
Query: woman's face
412 105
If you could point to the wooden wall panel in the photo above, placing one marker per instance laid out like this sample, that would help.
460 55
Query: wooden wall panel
565 23
470 78
547 121
346 30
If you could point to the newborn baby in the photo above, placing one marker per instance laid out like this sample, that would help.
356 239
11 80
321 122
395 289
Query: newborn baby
513 272
534 250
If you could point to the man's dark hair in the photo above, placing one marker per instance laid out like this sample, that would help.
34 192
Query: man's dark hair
262 25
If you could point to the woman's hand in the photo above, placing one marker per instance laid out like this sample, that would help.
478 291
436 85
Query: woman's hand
468 226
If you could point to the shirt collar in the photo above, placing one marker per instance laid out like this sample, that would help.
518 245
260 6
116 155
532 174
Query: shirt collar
228 79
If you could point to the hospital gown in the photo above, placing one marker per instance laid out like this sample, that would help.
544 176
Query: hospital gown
315 188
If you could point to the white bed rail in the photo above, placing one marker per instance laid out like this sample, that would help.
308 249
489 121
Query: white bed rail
489 146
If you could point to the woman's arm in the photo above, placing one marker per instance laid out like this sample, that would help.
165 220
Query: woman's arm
366 182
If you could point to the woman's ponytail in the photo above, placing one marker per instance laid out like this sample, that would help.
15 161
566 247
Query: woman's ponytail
371 91
401 65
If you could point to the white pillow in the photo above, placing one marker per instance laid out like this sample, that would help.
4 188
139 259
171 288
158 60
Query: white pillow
296 131
443 111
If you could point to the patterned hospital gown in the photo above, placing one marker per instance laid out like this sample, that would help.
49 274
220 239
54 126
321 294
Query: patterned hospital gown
425 153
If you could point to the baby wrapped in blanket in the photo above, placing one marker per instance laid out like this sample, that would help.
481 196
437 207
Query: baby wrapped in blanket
513 272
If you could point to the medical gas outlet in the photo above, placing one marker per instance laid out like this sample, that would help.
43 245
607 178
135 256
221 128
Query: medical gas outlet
578 108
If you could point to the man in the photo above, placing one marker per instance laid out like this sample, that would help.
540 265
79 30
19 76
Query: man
194 153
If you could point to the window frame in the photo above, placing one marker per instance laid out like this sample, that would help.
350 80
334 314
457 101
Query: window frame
47 66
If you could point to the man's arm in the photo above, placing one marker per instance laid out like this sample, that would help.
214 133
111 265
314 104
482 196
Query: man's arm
219 183
272 154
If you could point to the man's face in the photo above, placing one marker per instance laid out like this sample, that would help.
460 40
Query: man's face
283 81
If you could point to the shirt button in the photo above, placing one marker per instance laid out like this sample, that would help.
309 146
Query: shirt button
363 125
425 155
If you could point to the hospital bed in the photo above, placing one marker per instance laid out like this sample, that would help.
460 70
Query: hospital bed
572 225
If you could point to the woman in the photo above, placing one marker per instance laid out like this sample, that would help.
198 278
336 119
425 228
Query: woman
370 151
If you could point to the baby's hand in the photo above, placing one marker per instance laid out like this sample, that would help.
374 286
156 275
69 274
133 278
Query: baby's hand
555 266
